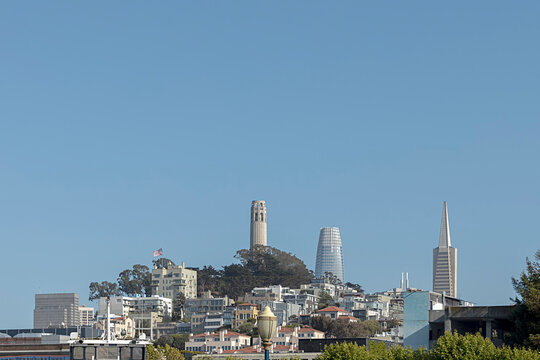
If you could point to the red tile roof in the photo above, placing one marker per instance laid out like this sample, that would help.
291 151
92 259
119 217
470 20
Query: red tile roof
332 309
308 329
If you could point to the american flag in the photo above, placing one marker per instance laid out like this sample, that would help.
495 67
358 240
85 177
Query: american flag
158 252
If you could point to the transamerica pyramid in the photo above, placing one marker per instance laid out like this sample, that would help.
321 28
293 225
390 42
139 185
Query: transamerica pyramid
445 260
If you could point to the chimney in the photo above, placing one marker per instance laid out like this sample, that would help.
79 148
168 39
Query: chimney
407 281
401 281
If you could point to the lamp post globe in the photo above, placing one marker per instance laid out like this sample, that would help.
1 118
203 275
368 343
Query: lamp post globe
267 323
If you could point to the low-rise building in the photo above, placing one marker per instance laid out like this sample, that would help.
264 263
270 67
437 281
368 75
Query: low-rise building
264 294
183 327
287 336
333 312
206 304
243 313
127 306
213 322
164 328
282 310
217 342
307 302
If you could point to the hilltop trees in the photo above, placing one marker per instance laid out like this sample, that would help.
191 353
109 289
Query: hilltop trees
136 281
261 266
130 282
103 289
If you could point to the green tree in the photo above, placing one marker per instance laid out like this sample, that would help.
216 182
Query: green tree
163 263
248 328
354 286
137 281
321 323
325 300
260 266
177 306
103 289
331 278
342 328
171 353
527 312
163 352
448 347
209 279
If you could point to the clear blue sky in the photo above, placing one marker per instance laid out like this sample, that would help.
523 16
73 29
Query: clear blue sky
130 126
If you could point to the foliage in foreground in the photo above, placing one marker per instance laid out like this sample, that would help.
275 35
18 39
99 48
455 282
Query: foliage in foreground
527 311
163 353
448 347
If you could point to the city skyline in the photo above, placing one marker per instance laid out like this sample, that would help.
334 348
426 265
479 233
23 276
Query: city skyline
118 139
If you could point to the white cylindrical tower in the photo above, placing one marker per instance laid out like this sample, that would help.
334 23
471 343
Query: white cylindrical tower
258 223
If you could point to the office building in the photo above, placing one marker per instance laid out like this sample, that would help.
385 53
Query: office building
258 224
87 315
169 280
330 254
445 260
56 310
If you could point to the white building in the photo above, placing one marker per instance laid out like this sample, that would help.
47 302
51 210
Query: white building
171 280
282 310
289 337
217 342
129 306
333 312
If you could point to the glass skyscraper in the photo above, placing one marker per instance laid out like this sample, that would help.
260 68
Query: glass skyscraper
330 254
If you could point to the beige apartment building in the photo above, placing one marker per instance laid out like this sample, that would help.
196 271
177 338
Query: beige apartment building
87 315
171 280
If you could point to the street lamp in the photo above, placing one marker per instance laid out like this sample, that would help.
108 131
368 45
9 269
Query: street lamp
266 323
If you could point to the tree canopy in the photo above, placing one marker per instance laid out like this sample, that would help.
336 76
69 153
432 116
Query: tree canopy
103 289
342 328
261 266
130 282
527 312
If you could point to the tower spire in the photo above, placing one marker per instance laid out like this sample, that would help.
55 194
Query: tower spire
444 237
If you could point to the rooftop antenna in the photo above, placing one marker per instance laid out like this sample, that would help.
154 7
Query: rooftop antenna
108 338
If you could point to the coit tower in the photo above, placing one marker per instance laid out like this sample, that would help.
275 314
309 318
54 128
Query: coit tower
258 223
